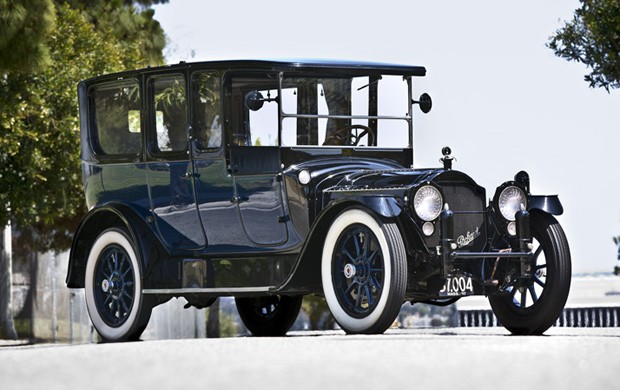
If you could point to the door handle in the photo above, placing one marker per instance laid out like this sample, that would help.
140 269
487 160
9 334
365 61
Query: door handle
187 175
239 199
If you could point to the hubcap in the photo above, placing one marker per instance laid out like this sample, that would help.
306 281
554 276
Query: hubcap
349 271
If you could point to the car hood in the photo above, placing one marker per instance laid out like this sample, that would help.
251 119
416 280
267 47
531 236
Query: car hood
357 174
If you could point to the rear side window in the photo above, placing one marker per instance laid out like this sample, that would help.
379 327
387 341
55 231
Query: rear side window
170 108
207 110
116 118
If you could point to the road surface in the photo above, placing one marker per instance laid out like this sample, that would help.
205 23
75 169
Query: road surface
448 358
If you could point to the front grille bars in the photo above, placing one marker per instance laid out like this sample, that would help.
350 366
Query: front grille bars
522 244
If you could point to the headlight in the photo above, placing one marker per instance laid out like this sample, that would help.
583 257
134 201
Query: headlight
427 203
510 201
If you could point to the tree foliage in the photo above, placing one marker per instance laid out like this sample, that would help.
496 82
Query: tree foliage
592 37
24 26
40 174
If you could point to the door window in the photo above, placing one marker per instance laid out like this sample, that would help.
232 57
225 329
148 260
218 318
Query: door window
170 111
207 107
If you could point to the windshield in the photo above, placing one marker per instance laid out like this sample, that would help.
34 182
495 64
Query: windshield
365 111
357 111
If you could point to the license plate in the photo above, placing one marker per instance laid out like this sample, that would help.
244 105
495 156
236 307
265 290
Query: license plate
457 286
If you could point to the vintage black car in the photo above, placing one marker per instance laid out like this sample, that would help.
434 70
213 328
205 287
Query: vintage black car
271 180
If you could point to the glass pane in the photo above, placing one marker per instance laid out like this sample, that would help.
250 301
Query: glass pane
116 125
134 121
254 110
170 109
263 123
208 122
345 111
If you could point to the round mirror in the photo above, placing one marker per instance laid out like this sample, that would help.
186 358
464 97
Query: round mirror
254 100
426 103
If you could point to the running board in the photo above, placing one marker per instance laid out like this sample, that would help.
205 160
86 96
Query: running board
215 290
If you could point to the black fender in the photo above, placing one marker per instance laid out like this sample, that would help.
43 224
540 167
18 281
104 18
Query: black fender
110 215
548 203
385 206
307 275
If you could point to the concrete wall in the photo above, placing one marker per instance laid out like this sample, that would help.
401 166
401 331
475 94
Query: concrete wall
60 314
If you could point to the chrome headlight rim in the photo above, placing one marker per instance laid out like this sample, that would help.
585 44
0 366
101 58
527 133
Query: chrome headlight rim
508 200
427 202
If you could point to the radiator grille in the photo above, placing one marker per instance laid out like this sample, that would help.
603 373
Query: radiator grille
468 205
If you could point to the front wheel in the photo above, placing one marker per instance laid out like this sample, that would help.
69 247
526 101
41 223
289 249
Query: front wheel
363 270
117 308
533 305
268 316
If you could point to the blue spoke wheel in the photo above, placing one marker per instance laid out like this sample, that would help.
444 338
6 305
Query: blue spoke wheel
114 275
358 271
114 299
363 271
533 305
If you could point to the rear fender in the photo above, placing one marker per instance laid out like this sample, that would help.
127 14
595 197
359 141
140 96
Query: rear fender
99 219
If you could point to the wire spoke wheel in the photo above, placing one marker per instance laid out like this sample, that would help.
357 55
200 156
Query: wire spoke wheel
533 304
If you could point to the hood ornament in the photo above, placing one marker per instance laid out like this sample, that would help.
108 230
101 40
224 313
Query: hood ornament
447 158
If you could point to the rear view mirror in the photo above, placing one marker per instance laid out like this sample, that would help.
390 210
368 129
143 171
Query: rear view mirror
254 100
425 102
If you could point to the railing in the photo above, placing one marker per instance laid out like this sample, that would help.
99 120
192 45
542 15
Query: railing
586 317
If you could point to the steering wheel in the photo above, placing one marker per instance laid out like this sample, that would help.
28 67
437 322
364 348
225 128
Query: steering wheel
345 136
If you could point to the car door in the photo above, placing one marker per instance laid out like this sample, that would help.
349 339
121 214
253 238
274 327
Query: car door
213 182
170 168
254 157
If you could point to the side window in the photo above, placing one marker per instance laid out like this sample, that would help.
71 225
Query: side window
116 118
169 107
252 109
207 108
263 122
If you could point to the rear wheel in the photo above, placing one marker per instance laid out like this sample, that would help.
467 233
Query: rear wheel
268 316
113 288
363 270
533 305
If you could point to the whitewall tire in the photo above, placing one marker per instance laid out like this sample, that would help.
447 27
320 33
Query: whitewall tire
113 288
363 271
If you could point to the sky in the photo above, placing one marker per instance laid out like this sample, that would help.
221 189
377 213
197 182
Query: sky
501 99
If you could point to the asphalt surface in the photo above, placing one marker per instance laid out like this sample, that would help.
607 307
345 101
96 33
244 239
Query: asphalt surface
448 358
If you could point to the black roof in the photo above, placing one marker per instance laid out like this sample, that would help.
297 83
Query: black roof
302 65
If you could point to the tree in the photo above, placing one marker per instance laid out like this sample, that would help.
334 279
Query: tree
593 38
39 137
24 27
40 173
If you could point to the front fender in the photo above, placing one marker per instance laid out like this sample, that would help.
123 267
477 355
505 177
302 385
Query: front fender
307 274
548 203
387 207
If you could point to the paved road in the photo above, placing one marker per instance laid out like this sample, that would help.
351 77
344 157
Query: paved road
463 358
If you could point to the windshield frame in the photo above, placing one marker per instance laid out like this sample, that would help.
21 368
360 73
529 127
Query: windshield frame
283 115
